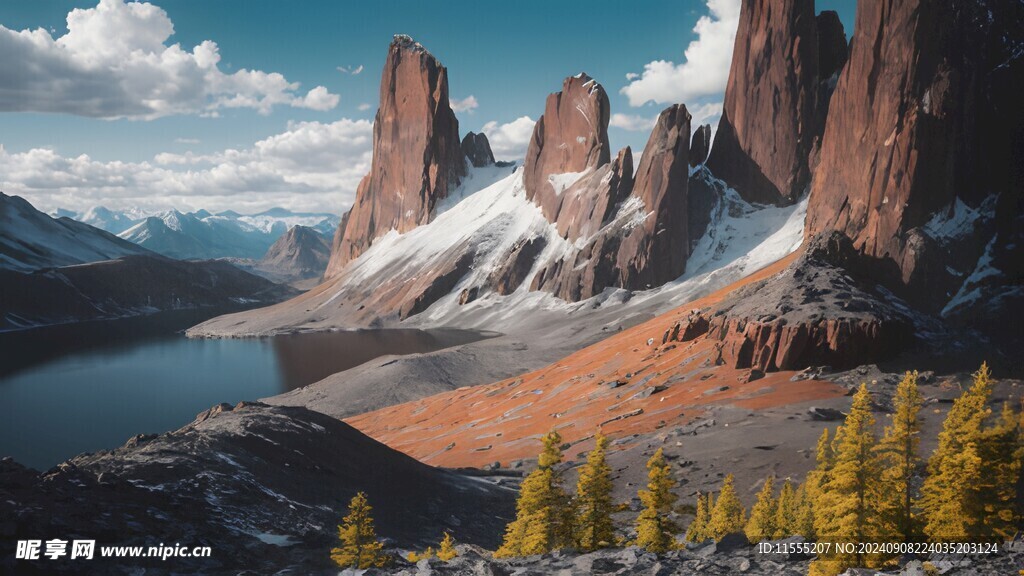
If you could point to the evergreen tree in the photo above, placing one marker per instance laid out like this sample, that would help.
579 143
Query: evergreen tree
594 527
654 530
846 509
761 525
698 529
785 512
728 515
951 500
899 453
808 492
543 515
1001 458
359 547
446 550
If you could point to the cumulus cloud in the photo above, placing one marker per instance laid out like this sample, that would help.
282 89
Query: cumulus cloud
114 62
467 104
709 113
364 107
310 166
509 141
631 122
705 70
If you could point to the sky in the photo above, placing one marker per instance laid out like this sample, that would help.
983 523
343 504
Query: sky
252 104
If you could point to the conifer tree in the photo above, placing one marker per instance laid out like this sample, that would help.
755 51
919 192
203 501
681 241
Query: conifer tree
594 527
898 451
446 550
697 531
654 530
951 501
1001 458
846 509
761 525
358 547
785 512
728 515
808 492
543 515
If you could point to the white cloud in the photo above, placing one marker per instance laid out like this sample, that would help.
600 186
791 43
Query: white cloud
631 122
350 70
114 62
467 104
632 76
310 166
186 141
706 68
364 107
509 141
318 99
708 113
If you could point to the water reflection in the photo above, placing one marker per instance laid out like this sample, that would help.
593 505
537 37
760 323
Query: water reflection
85 387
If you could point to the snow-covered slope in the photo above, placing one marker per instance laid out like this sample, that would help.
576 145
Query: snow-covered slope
30 240
201 235
437 274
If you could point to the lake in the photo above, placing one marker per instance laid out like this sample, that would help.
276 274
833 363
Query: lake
84 387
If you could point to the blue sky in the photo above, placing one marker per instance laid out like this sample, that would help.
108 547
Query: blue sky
507 56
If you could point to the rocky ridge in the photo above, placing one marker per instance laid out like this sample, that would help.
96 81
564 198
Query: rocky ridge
264 486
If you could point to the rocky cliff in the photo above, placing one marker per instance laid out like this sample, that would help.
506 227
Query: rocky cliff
766 132
569 140
920 159
629 230
417 158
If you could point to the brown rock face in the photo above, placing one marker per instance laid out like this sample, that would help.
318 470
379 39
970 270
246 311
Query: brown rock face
477 150
635 224
417 159
923 121
655 251
767 128
700 145
570 138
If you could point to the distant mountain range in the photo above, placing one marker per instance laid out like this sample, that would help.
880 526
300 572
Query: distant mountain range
58 270
203 235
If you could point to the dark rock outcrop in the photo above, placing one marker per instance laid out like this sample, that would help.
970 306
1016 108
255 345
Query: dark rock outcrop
767 129
417 158
477 149
700 145
264 485
924 131
811 314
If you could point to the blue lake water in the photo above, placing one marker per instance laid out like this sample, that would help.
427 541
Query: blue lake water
72 389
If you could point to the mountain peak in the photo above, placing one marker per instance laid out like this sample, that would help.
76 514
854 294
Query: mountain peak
417 158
